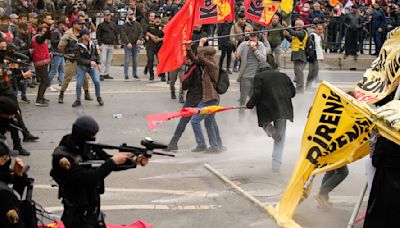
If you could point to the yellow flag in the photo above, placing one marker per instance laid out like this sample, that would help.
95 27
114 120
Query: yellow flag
287 6
383 77
336 134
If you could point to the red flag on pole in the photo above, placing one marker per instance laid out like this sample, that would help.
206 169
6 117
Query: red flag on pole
172 53
261 12
214 11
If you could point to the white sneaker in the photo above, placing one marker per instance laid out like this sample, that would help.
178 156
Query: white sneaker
52 89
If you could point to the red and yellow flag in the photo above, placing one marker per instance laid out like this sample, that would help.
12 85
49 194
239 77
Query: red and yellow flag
214 11
261 12
154 120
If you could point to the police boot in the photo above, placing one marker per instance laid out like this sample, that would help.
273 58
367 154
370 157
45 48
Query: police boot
61 97
87 96
151 76
173 96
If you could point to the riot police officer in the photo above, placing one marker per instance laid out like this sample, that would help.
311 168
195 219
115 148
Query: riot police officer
80 187
11 214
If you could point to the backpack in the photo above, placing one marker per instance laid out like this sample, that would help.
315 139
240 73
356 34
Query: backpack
310 49
222 85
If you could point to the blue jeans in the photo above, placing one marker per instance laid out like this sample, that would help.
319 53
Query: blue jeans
57 65
106 58
182 124
131 54
94 74
280 127
210 124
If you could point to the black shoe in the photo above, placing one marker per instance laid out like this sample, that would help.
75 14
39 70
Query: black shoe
23 152
108 77
151 77
135 77
199 149
61 98
145 70
101 102
229 71
173 96
76 104
101 77
163 79
25 100
87 96
126 78
30 138
181 99
171 147
41 103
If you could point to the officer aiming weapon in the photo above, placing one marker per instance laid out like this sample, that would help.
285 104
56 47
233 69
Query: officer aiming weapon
150 145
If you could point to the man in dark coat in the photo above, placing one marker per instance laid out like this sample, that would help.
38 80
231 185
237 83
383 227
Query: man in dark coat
225 45
272 95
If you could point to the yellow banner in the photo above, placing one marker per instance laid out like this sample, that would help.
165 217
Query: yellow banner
336 134
383 78
286 6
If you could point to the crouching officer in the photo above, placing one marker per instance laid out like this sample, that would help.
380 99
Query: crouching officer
11 213
80 187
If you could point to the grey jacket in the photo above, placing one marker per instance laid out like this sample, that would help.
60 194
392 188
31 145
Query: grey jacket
260 53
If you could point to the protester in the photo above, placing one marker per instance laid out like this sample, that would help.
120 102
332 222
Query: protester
88 61
298 37
193 84
131 38
317 56
225 45
41 60
377 23
108 38
330 181
353 23
57 62
253 56
68 46
238 28
173 77
272 95
275 39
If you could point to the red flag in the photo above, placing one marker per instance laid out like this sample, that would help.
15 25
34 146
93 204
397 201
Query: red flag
154 120
172 53
261 12
214 11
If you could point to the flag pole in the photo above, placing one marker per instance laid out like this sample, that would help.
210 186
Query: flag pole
246 33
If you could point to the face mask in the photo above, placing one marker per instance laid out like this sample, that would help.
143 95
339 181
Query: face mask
4 123
5 174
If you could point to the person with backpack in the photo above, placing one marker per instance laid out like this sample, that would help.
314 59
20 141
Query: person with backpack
205 58
253 56
272 95
314 54
298 37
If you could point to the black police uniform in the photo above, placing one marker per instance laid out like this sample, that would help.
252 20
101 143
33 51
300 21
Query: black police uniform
11 210
7 90
80 187
152 47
